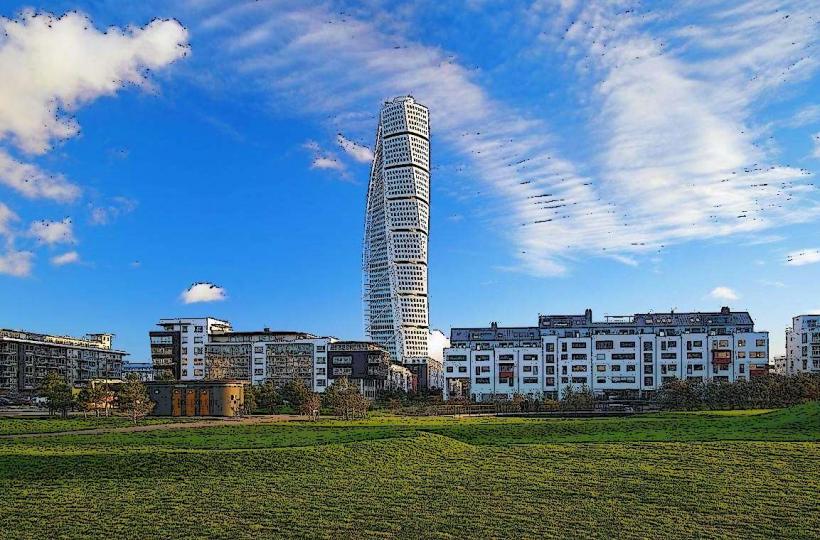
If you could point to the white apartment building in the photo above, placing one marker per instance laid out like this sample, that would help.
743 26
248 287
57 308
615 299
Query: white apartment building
624 356
780 365
178 350
276 356
803 345
396 233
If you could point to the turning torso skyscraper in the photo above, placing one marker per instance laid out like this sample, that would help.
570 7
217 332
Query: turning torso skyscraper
397 224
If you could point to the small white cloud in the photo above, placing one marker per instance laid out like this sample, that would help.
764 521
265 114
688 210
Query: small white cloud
816 152
723 293
203 292
7 216
16 263
768 283
803 257
323 159
53 232
69 257
357 151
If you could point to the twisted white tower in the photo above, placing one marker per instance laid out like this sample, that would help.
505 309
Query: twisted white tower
397 224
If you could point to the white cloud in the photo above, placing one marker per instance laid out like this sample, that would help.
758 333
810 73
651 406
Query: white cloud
119 206
323 159
723 293
806 116
357 151
53 65
69 257
53 232
33 182
7 217
768 283
203 292
816 152
803 257
16 263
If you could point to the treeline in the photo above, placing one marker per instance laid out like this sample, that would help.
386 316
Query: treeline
131 397
342 399
769 391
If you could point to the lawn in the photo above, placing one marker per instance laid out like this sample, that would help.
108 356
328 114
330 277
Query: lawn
19 425
753 474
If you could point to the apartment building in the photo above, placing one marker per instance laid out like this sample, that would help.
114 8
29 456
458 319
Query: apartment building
624 356
144 370
208 349
364 363
27 357
178 349
803 345
269 355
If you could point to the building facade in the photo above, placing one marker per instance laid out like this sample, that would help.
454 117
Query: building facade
27 357
624 357
363 363
266 355
178 349
803 345
396 232
144 370
197 398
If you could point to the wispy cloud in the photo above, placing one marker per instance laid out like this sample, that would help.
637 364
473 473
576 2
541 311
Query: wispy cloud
323 159
70 257
679 153
358 152
803 257
723 293
119 206
203 292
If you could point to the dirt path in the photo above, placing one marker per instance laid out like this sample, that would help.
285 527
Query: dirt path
210 422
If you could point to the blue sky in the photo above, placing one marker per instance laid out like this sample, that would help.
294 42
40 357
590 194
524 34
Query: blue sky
620 156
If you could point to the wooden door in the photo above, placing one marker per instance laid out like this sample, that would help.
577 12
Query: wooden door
203 403
190 402
176 398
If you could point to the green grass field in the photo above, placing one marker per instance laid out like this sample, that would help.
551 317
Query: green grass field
750 474
19 425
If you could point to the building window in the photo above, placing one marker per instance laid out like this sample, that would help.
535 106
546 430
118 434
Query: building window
579 369
647 381
320 382
449 369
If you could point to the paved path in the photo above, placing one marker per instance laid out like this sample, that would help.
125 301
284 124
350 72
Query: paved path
209 422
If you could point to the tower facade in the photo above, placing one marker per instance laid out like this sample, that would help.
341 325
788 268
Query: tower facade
397 225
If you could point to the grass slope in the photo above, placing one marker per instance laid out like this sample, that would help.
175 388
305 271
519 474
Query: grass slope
20 425
425 478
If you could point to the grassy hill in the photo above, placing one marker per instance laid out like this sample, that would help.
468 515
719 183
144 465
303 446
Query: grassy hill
748 474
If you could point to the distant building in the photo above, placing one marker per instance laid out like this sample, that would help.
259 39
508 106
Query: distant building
145 370
803 345
27 357
625 356
364 363
178 350
396 232
399 378
276 356
780 365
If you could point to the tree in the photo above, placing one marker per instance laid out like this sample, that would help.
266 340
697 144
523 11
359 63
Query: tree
346 400
296 394
133 398
251 398
57 393
267 397
577 400
311 405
